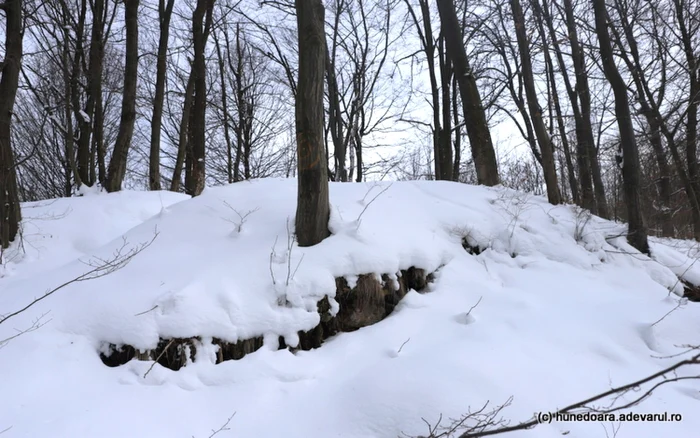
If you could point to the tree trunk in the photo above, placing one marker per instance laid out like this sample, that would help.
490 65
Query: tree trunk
10 213
650 112
94 103
445 133
458 131
543 139
583 91
474 115
82 117
224 107
584 133
637 234
549 66
313 209
164 14
335 121
117 165
691 133
195 185
183 135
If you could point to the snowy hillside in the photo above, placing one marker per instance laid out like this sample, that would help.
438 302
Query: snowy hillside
543 304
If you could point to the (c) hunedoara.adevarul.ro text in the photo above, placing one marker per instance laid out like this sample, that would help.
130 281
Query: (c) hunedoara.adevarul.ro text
549 417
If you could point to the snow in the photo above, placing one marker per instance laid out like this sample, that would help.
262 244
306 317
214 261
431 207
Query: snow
566 309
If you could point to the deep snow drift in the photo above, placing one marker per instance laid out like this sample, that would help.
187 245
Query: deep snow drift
565 311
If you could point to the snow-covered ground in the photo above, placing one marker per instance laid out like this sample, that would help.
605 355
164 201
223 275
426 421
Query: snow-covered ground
566 309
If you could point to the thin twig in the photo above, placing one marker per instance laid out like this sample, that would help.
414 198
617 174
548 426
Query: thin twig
404 343
149 310
158 358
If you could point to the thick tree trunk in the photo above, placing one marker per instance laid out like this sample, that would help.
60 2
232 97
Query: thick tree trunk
164 14
10 214
483 152
637 234
548 164
313 209
117 165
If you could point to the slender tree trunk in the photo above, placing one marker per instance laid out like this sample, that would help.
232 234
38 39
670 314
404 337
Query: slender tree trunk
10 213
637 234
224 107
548 164
68 132
583 91
335 121
549 66
445 133
434 90
691 131
99 139
664 180
117 165
313 209
94 102
483 152
458 131
195 184
583 134
164 14
83 117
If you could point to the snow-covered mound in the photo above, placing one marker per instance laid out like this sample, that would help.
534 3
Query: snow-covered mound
566 309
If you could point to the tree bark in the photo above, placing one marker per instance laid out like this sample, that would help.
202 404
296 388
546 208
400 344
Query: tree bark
313 209
483 152
164 14
637 234
117 165
195 184
183 136
445 133
548 165
10 213
94 102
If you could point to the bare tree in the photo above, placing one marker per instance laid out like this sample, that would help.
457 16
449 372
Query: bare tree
313 209
637 234
196 144
165 11
545 142
474 116
117 165
10 214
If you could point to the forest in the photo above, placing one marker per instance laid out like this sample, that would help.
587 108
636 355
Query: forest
592 103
